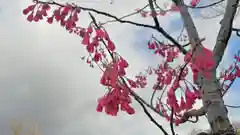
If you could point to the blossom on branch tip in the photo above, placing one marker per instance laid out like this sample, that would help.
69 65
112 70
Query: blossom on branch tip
194 3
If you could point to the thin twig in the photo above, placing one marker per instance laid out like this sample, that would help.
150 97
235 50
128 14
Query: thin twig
153 13
205 6
152 97
150 117
125 16
190 43
171 121
142 102
237 31
232 106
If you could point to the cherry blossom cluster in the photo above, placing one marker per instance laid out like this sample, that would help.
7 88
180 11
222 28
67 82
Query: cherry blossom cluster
102 52
97 42
229 75
194 60
171 78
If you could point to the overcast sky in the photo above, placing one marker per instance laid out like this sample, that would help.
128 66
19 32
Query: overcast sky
44 82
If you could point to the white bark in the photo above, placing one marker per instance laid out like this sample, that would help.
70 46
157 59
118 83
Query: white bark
213 103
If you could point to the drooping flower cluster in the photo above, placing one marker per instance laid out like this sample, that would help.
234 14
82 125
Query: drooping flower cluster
119 93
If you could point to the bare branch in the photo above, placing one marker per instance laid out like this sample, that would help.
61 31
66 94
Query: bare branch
153 94
237 31
142 102
150 117
190 43
205 6
218 13
171 121
232 106
125 16
154 13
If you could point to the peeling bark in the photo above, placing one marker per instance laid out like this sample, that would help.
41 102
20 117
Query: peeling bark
213 104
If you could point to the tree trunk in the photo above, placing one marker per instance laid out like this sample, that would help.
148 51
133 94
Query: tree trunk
213 103
212 100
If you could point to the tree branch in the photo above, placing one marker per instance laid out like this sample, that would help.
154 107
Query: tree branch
225 30
232 106
153 13
205 6
171 121
153 94
150 117
142 102
159 29
194 113
190 43
229 86
237 31
125 16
